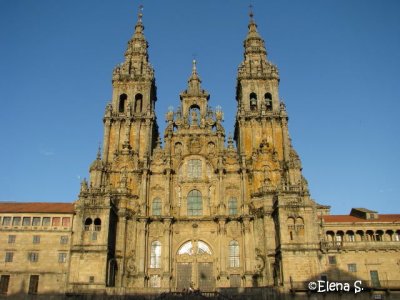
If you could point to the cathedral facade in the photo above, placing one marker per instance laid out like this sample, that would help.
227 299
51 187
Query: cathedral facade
190 211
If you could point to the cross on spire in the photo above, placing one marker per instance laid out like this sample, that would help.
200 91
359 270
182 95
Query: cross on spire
251 14
140 12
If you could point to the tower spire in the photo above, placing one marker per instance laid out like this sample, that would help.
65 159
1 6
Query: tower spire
194 80
136 56
253 42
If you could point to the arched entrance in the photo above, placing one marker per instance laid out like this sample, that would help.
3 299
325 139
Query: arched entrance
194 263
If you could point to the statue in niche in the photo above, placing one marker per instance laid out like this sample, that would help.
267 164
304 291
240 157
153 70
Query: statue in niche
194 117
211 148
178 149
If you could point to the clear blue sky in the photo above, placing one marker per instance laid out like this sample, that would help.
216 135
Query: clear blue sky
339 64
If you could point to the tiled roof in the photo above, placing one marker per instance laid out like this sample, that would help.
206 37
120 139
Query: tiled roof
36 207
351 219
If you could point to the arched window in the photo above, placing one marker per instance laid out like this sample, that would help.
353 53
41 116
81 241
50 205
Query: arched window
194 203
138 103
396 236
189 248
253 101
268 101
330 236
360 236
157 207
290 222
155 255
339 238
232 206
370 235
379 235
300 226
88 223
350 236
97 224
122 101
234 254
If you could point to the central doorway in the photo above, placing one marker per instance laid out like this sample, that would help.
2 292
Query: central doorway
194 265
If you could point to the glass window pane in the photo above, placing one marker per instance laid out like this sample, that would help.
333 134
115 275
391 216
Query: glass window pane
26 221
36 221
7 221
155 255
16 221
194 168
56 221
232 205
234 254
65 222
46 221
157 207
195 203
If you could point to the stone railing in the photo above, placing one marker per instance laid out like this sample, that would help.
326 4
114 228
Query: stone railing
359 245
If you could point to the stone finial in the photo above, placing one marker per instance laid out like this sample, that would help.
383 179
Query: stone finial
99 152
230 141
84 186
194 81
140 14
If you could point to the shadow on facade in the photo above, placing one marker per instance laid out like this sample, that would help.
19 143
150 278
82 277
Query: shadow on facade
333 284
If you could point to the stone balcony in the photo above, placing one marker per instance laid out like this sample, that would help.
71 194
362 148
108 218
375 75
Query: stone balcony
359 245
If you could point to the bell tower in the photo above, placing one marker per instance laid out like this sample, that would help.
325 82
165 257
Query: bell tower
130 121
261 118
256 93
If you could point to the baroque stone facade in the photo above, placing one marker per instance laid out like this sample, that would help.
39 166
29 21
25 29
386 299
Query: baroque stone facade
195 212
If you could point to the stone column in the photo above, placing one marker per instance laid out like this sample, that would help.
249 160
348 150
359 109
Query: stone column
106 139
285 139
167 254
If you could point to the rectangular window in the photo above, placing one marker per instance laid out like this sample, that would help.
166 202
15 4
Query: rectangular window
91 279
65 222
36 221
155 255
33 256
56 221
194 168
62 257
375 279
11 239
26 221
9 257
332 259
64 239
234 254
16 221
33 284
351 238
46 221
4 282
36 239
6 221
352 267
232 205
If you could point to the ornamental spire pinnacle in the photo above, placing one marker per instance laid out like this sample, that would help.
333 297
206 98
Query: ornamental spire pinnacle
194 80
136 57
253 43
